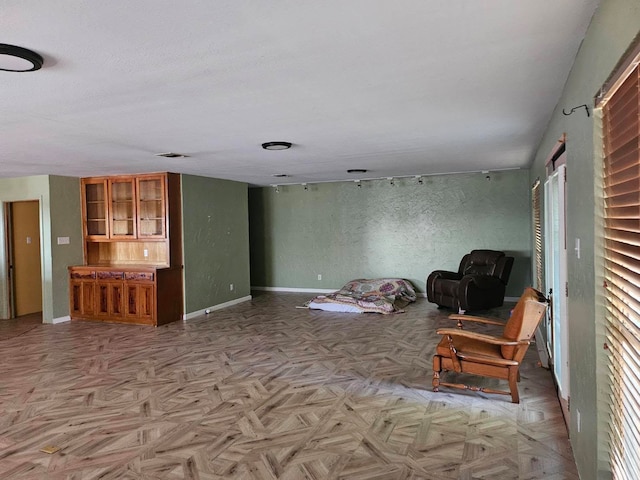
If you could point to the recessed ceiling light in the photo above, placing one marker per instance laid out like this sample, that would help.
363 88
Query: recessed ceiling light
18 59
171 155
276 145
357 170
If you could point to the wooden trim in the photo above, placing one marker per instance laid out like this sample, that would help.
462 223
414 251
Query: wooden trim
629 60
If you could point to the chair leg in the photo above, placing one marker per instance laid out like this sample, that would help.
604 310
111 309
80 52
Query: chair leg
514 375
437 368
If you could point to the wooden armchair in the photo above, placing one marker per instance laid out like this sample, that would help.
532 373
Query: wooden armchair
485 355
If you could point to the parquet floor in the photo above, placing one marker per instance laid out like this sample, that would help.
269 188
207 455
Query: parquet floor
263 390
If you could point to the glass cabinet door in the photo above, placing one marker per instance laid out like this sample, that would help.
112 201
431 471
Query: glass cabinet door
95 205
122 218
151 207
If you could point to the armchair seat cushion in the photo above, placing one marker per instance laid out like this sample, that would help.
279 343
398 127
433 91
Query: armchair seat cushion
470 346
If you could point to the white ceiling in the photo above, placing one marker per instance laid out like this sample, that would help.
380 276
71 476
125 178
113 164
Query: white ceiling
398 88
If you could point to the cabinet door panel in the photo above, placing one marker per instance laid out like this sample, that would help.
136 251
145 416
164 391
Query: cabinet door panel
140 302
132 301
151 207
116 299
146 301
122 215
76 298
95 205
103 299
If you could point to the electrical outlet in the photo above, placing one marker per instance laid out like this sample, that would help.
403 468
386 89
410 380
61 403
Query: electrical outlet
319 276
231 287
145 252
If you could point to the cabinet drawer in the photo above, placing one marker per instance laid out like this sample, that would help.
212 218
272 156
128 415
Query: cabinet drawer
110 275
139 276
83 275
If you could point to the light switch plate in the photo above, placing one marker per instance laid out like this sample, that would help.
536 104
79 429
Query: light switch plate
63 240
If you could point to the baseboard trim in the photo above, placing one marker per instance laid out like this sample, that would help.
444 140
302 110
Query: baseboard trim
295 290
331 290
309 290
66 318
220 306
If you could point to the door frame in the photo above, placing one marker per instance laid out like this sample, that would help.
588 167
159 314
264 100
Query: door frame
6 235
556 276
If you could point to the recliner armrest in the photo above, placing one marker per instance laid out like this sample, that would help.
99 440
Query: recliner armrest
480 281
445 275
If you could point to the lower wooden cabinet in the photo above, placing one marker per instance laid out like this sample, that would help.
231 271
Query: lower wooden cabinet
82 297
127 295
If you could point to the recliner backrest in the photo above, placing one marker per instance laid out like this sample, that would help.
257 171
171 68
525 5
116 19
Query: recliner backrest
481 262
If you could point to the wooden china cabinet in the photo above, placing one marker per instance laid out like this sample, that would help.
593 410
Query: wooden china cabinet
133 251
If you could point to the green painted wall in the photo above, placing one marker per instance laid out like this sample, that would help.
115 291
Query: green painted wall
612 29
342 231
60 216
216 241
66 221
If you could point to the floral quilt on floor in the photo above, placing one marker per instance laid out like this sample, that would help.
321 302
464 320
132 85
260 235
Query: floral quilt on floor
378 295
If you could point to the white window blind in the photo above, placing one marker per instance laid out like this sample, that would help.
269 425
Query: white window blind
537 230
621 175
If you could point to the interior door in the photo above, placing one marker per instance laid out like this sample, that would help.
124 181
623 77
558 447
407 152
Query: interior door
25 259
556 277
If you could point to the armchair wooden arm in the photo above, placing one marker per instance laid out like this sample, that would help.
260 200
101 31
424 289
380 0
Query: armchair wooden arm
483 337
471 318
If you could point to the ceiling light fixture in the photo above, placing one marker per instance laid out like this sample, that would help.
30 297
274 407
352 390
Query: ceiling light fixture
171 155
18 59
357 170
276 145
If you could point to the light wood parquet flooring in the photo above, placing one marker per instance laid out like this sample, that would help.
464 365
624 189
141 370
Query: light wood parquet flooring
263 390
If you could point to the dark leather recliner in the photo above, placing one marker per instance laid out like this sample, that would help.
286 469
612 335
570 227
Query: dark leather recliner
479 283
